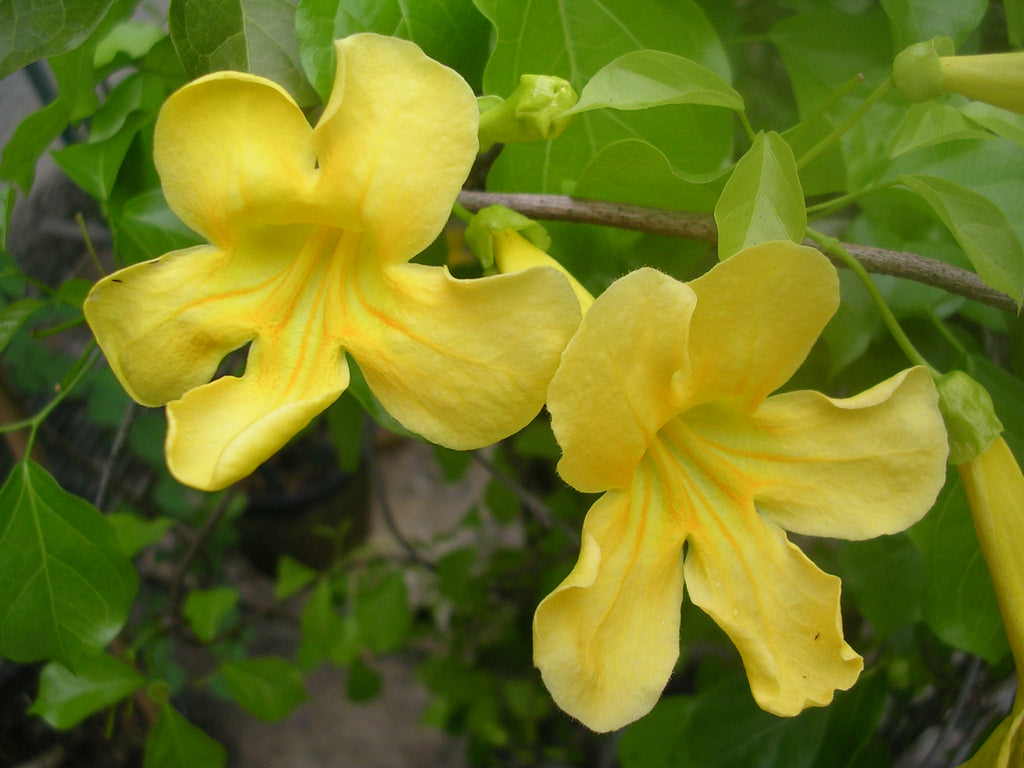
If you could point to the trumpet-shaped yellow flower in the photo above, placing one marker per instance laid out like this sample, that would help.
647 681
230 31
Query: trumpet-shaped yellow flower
311 230
995 491
662 402
514 253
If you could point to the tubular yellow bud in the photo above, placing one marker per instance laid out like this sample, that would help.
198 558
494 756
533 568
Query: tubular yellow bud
995 78
514 253
533 111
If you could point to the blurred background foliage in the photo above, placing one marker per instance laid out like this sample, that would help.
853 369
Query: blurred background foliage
150 561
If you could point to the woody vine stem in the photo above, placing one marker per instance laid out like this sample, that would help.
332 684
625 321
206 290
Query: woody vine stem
701 226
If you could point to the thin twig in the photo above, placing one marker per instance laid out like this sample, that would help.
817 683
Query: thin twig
701 226
115 451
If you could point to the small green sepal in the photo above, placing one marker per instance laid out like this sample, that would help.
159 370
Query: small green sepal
533 111
970 417
917 71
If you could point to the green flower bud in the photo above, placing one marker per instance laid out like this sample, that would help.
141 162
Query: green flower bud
533 111
917 71
970 417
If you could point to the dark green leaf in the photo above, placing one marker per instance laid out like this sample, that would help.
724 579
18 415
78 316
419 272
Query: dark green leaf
574 39
1014 10
13 316
174 742
36 29
269 687
145 228
256 36
914 20
206 610
959 602
382 610
136 533
345 421
854 718
8 195
363 682
31 138
66 698
642 79
762 199
866 568
450 31
980 227
65 583
323 630
661 739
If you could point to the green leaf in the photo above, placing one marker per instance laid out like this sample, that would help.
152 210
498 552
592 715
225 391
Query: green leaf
146 228
206 610
382 610
573 39
932 123
36 29
321 627
661 739
15 315
363 682
1008 125
866 568
8 195
136 533
1014 10
450 31
959 602
854 718
642 79
269 687
981 229
914 20
174 742
66 698
256 36
129 40
762 200
292 577
638 173
346 420
65 583
31 138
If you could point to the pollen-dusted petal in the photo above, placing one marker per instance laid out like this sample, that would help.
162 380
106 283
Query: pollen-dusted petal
220 432
618 382
758 314
233 155
607 638
853 468
464 363
777 607
396 142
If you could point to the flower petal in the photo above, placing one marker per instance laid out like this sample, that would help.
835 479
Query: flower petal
396 142
778 608
758 314
233 154
607 639
853 468
464 363
618 382
220 432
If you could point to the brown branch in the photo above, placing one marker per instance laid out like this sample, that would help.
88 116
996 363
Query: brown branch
701 226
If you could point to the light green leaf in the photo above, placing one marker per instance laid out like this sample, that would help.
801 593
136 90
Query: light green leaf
66 698
959 602
15 315
573 39
206 610
383 613
292 577
981 229
269 687
145 228
914 20
174 742
31 138
450 31
137 533
932 123
762 199
1008 125
256 36
636 172
36 29
325 633
8 194
129 39
65 583
642 79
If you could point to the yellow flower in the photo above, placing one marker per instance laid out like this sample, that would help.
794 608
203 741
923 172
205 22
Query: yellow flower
311 230
995 491
661 401
514 253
